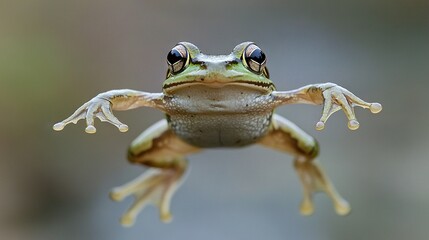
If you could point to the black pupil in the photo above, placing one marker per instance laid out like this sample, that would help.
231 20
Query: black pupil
257 56
174 56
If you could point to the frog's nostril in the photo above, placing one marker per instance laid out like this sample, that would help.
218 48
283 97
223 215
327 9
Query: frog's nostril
230 64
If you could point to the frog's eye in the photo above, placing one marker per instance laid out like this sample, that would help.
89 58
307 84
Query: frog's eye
177 59
254 59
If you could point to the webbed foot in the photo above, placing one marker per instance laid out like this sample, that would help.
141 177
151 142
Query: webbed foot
155 186
337 98
314 180
99 107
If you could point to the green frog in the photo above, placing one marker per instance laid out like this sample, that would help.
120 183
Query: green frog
217 101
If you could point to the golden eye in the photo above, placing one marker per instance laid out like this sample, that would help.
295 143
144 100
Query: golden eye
254 59
178 59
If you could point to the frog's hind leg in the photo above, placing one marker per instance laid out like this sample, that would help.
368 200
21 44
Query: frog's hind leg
163 152
286 136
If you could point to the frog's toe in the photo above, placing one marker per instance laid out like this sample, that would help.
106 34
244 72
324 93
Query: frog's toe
140 202
342 207
353 124
133 187
59 126
90 129
127 220
307 207
375 107
166 217
155 186
123 128
320 125
165 202
115 195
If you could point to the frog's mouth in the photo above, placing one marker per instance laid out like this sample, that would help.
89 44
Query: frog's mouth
263 87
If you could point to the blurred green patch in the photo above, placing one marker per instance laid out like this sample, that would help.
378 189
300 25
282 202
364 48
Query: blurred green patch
33 70
31 66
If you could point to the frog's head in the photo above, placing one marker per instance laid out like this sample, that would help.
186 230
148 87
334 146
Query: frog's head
244 66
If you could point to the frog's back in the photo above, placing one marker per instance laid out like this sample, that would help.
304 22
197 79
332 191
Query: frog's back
218 117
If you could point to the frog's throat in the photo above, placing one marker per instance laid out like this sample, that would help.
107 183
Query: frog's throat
265 87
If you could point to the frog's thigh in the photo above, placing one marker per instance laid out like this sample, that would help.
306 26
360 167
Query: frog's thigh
159 147
162 151
287 137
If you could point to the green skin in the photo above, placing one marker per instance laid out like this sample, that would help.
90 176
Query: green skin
217 101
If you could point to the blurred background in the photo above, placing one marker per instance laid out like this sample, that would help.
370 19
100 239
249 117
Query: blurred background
55 55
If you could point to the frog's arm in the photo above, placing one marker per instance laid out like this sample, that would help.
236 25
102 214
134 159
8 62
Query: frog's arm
102 105
333 98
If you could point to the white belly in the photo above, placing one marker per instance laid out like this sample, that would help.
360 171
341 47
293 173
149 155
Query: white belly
220 130
219 117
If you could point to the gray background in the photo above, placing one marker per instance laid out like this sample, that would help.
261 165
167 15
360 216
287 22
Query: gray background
55 55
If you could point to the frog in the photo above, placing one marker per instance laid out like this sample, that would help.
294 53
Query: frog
218 101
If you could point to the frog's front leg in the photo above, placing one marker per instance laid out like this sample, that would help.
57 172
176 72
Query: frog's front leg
333 98
164 153
102 105
287 137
